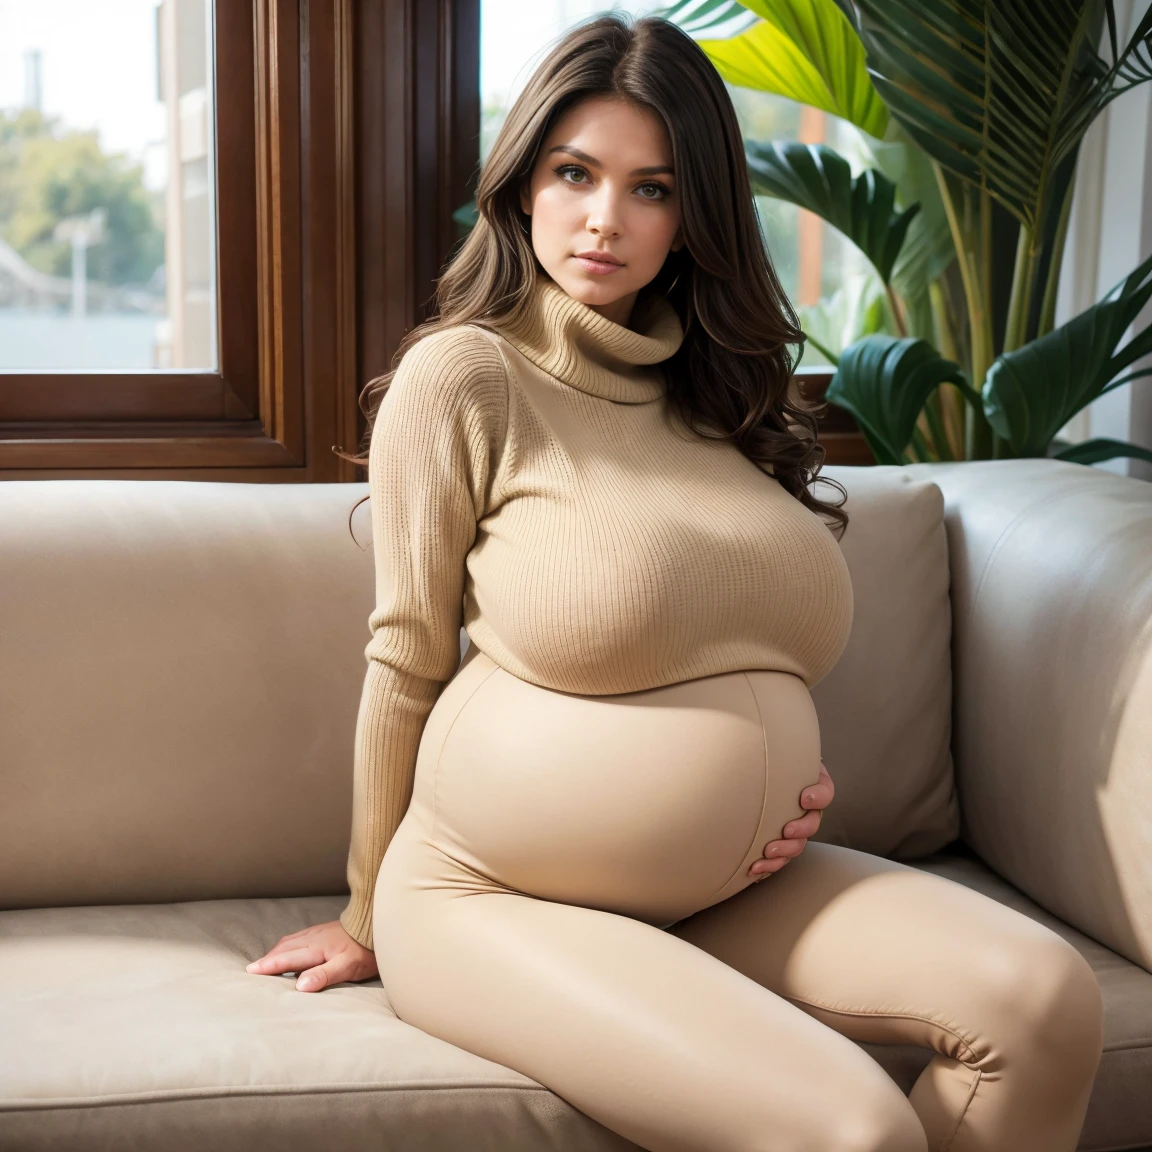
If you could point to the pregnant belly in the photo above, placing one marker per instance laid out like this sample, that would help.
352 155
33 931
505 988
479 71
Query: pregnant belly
652 804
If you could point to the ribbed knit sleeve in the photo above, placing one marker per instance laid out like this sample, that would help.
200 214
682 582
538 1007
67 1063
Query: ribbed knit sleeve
436 446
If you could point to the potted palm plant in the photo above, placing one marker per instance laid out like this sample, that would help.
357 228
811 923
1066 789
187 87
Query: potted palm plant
980 107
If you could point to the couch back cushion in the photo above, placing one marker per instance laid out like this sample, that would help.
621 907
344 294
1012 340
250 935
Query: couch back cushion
180 673
1052 601
886 708
182 661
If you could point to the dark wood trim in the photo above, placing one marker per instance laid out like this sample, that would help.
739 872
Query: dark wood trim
838 431
241 443
278 245
328 226
418 147
237 159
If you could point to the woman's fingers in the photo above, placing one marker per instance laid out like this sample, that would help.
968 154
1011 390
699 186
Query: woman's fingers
318 978
803 828
777 853
774 849
820 794
763 867
286 960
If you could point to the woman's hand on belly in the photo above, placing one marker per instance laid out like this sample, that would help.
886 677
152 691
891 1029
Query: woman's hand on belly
777 853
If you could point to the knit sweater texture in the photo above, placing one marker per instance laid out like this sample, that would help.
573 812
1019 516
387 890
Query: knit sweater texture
529 484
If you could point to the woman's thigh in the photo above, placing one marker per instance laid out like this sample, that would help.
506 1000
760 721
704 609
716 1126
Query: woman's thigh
649 1035
888 953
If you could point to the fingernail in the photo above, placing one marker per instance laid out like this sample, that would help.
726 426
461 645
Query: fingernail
250 966
303 984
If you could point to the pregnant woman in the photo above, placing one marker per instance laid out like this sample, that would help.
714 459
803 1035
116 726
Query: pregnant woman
591 461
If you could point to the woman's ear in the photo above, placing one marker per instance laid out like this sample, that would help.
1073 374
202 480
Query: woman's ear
525 200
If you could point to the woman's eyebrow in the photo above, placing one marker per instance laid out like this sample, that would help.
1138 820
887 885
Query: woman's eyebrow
654 170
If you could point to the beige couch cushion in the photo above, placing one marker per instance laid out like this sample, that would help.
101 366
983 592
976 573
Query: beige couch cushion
1052 590
886 708
179 678
138 1027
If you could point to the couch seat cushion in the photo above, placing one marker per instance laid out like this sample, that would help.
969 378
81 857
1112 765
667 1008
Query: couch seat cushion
137 1026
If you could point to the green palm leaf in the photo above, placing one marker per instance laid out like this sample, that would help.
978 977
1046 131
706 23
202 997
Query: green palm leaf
1031 393
805 50
1000 93
694 17
885 382
819 179
1103 448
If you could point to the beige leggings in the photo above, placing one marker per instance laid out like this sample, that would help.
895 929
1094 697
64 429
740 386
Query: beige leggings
567 896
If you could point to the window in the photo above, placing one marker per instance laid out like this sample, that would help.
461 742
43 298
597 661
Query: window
178 264
107 186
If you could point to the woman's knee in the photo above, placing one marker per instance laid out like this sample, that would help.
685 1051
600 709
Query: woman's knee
884 1122
866 1112
1047 991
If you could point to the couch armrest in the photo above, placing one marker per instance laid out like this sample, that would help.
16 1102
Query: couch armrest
1052 661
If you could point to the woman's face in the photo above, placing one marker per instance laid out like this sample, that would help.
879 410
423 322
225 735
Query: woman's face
604 182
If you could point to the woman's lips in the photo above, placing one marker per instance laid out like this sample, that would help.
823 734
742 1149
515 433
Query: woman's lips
600 267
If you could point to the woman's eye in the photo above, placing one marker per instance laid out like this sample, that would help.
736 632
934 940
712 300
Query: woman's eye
659 188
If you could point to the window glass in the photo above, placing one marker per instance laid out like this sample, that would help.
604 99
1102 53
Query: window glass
821 273
107 185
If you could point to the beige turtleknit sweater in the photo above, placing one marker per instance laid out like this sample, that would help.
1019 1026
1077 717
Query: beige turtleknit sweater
531 487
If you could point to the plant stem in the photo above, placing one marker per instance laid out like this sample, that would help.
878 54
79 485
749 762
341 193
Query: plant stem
1048 304
1015 333
952 403
945 338
897 315
978 432
934 416
955 410
917 443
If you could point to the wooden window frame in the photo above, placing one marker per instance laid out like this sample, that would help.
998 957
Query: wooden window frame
286 387
352 134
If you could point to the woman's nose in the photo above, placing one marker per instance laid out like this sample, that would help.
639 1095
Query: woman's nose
604 215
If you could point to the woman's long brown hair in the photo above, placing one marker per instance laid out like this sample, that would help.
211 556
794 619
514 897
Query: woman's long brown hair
731 376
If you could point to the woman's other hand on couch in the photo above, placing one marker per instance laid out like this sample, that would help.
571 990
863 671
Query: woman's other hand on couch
777 853
322 955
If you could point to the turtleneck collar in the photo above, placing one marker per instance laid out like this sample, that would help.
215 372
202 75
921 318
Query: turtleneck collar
576 344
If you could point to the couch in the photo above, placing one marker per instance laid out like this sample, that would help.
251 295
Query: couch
180 672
